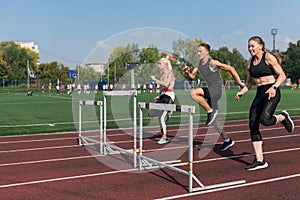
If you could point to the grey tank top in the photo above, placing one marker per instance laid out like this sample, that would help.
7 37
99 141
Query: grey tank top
212 78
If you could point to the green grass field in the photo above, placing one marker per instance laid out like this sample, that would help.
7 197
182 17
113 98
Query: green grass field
43 113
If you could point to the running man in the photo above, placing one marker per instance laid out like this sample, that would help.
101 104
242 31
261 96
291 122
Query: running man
208 97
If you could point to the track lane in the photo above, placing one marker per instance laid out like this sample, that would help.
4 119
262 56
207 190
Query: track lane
88 178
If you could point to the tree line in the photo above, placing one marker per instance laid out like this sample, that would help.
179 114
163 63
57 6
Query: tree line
15 61
186 49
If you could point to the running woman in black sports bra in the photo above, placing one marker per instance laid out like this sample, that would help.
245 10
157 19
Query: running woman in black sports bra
265 69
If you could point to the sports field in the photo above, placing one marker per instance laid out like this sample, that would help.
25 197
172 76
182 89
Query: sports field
44 113
54 166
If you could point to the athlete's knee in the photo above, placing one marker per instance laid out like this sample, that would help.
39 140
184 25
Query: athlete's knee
193 93
267 121
256 137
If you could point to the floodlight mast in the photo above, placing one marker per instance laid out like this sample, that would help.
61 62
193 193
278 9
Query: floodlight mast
274 32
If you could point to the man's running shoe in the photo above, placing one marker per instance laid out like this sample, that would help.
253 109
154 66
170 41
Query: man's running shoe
163 141
287 122
211 117
227 145
257 165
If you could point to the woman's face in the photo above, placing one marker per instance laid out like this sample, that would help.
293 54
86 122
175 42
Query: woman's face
161 64
254 47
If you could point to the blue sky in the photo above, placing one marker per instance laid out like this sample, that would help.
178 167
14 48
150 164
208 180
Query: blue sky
67 30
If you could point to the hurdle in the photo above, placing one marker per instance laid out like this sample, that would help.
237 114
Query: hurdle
146 161
82 140
110 148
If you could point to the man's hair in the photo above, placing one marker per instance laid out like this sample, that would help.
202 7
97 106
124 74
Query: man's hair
206 46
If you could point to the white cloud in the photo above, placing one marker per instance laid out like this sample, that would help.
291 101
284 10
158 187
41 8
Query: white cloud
239 33
283 42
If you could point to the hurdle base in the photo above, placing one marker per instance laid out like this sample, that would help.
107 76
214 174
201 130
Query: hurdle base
86 141
220 185
146 165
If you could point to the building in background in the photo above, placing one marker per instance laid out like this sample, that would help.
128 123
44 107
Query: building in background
29 45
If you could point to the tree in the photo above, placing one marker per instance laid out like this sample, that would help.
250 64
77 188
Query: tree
118 58
291 62
88 74
50 72
4 69
148 64
187 49
62 73
33 59
239 63
17 60
234 59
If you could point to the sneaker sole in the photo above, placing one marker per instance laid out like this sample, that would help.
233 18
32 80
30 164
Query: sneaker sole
228 146
259 167
163 142
289 118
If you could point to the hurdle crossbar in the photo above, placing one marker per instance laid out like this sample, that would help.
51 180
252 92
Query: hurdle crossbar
112 149
152 162
82 140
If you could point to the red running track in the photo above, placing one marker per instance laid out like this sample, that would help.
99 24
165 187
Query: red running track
54 166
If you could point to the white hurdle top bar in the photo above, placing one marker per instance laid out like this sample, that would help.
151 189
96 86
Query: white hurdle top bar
91 103
120 93
168 107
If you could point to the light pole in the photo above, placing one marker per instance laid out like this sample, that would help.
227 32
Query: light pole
274 32
28 73
115 74
108 71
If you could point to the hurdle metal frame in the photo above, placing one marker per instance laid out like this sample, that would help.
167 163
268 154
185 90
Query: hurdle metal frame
110 148
82 140
146 162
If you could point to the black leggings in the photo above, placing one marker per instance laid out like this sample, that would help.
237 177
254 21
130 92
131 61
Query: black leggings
262 111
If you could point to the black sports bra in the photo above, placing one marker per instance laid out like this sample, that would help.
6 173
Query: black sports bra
262 69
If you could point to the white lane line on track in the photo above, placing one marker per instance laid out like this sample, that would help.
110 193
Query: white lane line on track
148 150
87 132
48 160
130 170
170 128
29 125
232 187
245 155
120 134
38 149
37 140
38 134
95 156
65 178
57 147
63 123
